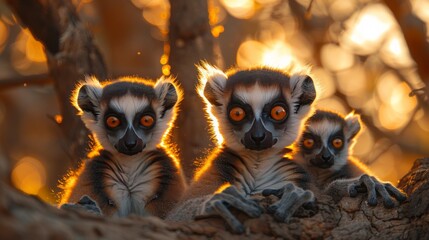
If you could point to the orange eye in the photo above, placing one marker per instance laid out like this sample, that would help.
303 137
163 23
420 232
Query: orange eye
278 113
308 143
147 121
337 143
112 122
237 114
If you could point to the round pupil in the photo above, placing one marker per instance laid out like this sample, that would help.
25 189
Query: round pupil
338 142
278 113
147 121
237 114
113 121
308 142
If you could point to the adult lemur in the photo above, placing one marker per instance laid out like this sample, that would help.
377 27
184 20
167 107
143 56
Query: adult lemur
324 151
258 112
131 173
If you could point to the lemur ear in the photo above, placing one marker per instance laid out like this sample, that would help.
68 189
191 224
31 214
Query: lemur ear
303 92
353 125
87 96
212 83
167 93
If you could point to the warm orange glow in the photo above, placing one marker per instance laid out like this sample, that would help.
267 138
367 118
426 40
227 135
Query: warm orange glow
367 29
34 49
29 175
4 33
395 52
335 58
274 53
243 9
204 70
170 147
166 70
67 184
332 103
325 85
277 54
222 187
353 81
58 118
216 31
421 9
156 12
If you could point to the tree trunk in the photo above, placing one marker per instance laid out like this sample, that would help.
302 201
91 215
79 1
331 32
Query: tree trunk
25 217
190 42
71 55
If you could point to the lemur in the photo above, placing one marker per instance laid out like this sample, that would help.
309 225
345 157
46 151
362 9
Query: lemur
258 112
324 150
130 172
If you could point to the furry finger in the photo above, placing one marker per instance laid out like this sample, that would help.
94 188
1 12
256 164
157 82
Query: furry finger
395 192
370 186
248 207
232 221
387 200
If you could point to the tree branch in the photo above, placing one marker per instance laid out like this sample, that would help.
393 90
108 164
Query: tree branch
23 217
71 55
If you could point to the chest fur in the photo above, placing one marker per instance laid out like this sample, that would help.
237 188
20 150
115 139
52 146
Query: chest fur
133 187
257 174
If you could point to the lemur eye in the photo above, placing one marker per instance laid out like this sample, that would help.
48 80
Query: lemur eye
147 121
278 113
337 143
237 114
308 143
112 122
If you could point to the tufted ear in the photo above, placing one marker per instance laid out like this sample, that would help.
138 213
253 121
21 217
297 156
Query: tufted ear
303 92
167 93
212 83
86 97
353 125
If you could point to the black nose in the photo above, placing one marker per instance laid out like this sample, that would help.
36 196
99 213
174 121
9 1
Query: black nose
257 138
130 144
326 158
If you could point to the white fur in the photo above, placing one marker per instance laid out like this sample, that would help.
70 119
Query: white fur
256 96
132 184
267 170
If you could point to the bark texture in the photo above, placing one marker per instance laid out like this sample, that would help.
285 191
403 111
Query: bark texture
24 217
71 55
191 42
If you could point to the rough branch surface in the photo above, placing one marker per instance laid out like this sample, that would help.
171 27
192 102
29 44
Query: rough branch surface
23 217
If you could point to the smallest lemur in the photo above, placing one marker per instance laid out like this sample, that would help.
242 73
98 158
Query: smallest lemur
324 151
130 172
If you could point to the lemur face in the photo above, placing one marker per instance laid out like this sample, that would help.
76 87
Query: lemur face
257 109
327 139
128 115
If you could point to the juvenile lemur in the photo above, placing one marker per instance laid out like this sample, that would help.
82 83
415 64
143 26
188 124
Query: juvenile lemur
324 150
259 111
131 173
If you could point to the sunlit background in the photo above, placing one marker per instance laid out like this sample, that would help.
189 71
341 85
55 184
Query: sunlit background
355 47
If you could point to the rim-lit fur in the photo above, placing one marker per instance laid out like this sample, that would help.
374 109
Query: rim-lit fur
324 124
257 96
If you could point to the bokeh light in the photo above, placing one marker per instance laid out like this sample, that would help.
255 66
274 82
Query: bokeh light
366 29
243 9
29 175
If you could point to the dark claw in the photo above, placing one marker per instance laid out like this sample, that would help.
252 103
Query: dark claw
396 193
272 209
372 201
276 192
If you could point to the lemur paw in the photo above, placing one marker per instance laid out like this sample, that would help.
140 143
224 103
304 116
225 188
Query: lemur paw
372 186
220 203
85 203
291 198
